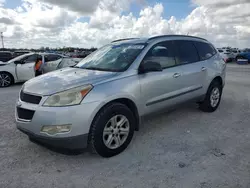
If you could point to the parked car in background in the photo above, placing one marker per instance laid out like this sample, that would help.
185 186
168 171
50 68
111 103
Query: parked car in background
226 54
21 68
244 55
18 53
100 101
68 62
5 56
236 52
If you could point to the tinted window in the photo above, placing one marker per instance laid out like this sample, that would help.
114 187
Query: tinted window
205 50
162 53
5 54
187 52
52 57
220 51
31 58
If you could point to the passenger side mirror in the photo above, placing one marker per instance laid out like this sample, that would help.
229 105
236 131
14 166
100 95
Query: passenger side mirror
150 66
18 62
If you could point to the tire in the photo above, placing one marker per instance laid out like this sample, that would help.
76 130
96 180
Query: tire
207 105
108 118
6 79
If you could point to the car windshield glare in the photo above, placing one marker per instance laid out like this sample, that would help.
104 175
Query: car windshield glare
113 57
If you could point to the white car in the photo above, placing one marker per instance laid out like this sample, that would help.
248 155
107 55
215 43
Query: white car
226 54
21 68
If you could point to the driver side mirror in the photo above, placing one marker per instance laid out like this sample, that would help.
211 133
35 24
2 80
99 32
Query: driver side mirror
150 66
18 62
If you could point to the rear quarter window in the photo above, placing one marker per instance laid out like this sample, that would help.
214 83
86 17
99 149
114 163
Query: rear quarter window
205 50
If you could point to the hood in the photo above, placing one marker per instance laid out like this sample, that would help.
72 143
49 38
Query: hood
64 79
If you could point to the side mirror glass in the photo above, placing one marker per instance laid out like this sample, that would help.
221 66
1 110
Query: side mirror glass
150 66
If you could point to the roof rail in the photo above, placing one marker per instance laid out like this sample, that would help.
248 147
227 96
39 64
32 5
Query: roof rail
156 37
124 39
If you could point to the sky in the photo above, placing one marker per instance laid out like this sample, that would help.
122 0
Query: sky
93 23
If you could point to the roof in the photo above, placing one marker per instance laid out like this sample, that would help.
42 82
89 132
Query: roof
145 40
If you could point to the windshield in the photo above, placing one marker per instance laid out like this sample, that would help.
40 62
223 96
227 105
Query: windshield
115 58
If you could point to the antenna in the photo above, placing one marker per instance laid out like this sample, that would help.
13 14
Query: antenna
2 39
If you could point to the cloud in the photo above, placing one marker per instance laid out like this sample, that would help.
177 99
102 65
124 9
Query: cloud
2 2
6 21
55 23
219 4
83 7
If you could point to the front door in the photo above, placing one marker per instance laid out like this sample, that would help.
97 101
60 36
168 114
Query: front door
26 71
161 89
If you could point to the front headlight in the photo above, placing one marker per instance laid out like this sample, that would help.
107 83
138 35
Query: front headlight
69 97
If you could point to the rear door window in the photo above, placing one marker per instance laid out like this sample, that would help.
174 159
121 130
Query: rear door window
187 52
205 50
52 57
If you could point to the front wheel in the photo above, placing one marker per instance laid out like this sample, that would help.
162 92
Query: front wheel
5 79
212 98
112 130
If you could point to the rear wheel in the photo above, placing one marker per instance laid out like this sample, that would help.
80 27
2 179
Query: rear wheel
6 79
212 98
112 130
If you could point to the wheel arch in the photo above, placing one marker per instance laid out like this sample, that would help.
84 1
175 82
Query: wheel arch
127 102
217 79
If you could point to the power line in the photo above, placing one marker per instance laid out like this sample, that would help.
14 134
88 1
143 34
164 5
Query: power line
2 39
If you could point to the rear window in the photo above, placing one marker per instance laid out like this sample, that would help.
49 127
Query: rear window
220 51
205 50
5 54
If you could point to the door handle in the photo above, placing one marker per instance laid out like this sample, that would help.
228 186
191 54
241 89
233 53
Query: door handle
176 75
203 68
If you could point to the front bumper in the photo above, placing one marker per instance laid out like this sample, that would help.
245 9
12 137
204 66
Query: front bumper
79 117
75 142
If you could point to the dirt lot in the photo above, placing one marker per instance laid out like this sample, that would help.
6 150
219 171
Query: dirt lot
183 148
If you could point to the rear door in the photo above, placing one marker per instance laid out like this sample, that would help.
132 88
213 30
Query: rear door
193 70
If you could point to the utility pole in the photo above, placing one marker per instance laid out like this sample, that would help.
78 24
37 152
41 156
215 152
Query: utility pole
2 39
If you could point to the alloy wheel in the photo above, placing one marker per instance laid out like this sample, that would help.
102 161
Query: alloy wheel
5 80
116 131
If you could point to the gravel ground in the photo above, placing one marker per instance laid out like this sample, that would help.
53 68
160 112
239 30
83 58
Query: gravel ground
183 148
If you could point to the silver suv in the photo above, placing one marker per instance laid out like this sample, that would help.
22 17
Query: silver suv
100 101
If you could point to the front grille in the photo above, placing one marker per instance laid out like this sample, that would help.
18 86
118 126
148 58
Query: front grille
25 114
30 98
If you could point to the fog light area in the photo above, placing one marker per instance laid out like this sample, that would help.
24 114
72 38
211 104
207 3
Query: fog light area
55 129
